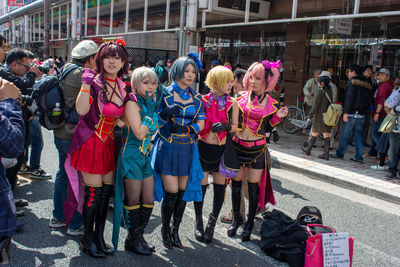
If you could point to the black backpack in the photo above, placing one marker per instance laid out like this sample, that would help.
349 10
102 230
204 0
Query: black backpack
49 93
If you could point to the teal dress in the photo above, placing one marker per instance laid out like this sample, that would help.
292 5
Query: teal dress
133 160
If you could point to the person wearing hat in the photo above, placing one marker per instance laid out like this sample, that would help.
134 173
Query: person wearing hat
83 55
321 104
378 113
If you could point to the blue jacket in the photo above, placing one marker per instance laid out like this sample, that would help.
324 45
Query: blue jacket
193 190
12 131
168 100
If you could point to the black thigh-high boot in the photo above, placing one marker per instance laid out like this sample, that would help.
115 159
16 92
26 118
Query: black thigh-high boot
219 196
167 209
101 218
254 190
236 196
92 198
198 208
145 214
178 214
134 242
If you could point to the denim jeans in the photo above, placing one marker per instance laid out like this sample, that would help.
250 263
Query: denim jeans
374 134
355 126
36 141
61 184
394 152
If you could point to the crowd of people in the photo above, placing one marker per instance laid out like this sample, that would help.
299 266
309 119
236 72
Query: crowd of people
366 99
144 134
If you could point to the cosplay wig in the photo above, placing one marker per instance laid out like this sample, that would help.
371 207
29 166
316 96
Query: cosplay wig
111 49
268 72
218 77
178 68
140 74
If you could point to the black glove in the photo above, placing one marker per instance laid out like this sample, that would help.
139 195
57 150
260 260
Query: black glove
176 128
169 112
219 127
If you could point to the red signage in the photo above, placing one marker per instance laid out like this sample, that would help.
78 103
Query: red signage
103 22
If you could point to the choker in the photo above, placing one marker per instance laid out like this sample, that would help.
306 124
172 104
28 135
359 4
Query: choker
110 80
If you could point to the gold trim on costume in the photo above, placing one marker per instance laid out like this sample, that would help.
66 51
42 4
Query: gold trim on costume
132 207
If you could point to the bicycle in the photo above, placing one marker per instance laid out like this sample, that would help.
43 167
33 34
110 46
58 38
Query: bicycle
296 118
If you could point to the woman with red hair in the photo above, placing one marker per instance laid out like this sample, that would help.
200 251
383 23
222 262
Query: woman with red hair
259 113
91 156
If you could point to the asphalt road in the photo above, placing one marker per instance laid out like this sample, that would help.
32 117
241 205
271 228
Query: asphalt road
372 222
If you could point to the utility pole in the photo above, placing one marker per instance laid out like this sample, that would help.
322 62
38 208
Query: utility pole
182 27
80 19
46 46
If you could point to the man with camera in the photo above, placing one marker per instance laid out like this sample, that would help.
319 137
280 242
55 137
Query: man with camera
18 71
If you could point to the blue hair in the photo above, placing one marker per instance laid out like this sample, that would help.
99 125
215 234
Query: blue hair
178 68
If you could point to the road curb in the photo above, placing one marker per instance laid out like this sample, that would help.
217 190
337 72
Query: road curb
345 182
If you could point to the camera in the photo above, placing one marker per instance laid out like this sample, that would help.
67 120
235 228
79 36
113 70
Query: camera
44 68
26 98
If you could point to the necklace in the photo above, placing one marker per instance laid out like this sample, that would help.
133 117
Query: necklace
111 80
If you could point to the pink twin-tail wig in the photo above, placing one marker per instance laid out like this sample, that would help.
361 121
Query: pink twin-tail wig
258 69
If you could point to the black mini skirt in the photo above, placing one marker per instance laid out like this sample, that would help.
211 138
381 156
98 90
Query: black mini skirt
210 156
251 157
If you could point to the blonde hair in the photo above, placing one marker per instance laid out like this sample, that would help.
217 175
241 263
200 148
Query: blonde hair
218 77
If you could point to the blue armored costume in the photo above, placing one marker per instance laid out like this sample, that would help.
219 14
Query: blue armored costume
177 154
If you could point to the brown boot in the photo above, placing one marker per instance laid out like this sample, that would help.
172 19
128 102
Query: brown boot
311 142
325 155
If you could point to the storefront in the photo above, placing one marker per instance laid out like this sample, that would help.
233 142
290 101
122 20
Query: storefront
303 47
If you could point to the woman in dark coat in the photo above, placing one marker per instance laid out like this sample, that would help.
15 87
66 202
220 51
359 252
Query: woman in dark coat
320 106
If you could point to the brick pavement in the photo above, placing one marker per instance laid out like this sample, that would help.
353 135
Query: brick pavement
341 172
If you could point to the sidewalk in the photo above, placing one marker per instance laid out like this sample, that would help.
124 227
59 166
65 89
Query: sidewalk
341 172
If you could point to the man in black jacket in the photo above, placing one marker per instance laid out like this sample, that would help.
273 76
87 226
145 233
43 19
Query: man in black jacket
357 101
22 75
17 71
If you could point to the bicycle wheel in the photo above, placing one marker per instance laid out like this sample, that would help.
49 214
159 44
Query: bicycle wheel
291 122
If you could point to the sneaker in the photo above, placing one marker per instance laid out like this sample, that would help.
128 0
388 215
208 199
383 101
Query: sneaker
75 232
24 170
378 167
390 175
226 218
356 160
40 174
54 223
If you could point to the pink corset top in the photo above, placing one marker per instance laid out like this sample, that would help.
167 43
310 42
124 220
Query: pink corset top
214 114
254 113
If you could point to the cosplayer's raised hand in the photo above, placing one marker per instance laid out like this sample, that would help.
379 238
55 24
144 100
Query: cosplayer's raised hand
88 76
220 127
169 112
282 112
